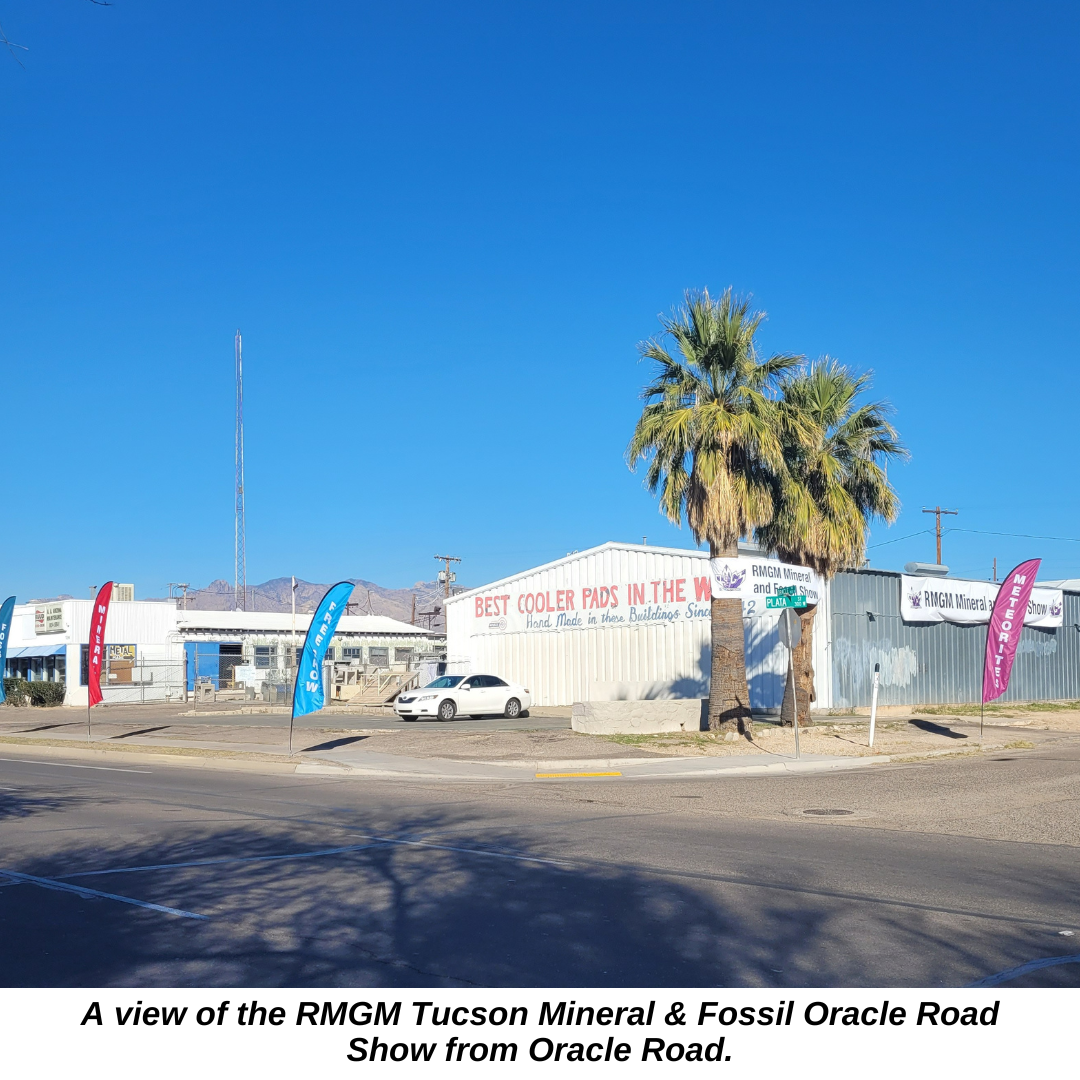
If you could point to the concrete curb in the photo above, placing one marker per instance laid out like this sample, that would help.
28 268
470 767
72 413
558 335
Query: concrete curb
116 758
391 766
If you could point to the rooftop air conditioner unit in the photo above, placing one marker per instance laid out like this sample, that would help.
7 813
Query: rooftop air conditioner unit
925 569
123 592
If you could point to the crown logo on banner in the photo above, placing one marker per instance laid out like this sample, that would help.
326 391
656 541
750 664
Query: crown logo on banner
730 579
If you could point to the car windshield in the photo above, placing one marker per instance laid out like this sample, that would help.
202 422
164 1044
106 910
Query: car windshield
445 682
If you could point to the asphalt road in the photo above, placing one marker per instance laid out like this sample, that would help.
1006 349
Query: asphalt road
942 874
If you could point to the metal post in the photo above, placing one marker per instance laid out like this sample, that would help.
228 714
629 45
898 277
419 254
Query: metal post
873 702
240 575
789 616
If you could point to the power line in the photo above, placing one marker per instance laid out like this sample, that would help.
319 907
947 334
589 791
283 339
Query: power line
885 543
1023 536
980 532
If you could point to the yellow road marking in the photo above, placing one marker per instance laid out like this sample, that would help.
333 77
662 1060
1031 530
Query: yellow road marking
561 775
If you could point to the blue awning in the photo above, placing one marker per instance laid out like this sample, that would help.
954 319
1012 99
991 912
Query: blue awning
37 650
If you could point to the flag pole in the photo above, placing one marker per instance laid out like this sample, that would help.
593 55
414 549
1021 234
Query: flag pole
292 712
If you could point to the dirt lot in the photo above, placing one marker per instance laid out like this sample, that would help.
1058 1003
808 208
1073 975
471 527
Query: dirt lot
929 733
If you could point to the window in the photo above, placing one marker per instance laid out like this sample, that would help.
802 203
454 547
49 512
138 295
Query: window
493 681
352 652
331 653
403 656
378 657
444 682
265 655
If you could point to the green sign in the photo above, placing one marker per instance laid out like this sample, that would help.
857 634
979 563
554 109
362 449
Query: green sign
786 590
785 601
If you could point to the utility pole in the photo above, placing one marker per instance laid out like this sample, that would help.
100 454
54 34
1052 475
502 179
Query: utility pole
446 575
240 579
995 568
413 619
178 585
937 512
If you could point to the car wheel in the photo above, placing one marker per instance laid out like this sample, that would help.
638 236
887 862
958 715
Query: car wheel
513 709
447 710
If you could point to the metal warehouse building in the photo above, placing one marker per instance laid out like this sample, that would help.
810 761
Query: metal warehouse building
620 621
632 622
935 663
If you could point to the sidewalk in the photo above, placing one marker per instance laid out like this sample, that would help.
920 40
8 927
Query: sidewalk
459 754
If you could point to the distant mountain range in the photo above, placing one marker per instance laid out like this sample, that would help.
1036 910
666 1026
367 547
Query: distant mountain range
367 599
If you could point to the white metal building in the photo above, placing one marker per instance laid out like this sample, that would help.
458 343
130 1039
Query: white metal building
619 621
144 657
155 651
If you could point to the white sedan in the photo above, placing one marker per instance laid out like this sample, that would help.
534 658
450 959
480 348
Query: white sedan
469 695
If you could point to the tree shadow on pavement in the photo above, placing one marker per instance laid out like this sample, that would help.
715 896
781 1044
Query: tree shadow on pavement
20 805
435 898
390 914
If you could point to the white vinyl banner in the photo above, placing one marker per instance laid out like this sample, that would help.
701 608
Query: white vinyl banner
936 599
752 580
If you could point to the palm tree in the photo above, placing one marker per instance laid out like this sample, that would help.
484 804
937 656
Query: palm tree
713 437
834 485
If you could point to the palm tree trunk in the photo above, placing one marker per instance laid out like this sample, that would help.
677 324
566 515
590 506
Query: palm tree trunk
729 700
802 660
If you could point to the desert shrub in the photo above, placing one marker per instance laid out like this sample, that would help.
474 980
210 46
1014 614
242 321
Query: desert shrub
22 692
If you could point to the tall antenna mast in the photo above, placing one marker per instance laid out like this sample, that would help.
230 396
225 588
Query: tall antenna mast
240 583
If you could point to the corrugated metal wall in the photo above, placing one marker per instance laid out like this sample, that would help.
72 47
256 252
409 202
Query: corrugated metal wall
603 662
936 663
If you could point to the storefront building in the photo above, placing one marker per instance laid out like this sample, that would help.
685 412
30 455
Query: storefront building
156 651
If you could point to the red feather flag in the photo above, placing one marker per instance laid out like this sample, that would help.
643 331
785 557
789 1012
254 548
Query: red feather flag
98 616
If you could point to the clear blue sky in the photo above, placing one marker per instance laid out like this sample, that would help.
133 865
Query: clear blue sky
443 229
